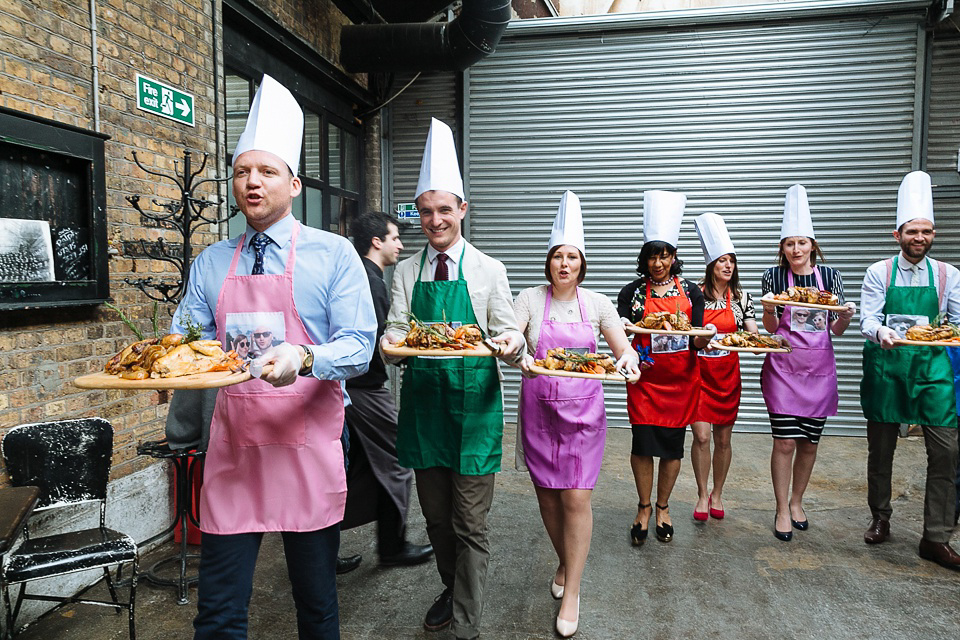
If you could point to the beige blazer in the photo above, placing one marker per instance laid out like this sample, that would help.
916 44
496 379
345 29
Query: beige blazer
486 281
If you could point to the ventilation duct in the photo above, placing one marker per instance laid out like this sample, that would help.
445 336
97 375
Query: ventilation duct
444 46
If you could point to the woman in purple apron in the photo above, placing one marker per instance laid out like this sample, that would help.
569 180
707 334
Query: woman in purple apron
562 421
799 388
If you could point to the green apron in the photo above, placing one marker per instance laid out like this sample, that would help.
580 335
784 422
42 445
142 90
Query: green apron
908 384
451 410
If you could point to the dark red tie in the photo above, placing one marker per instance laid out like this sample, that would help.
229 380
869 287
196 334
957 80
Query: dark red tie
441 272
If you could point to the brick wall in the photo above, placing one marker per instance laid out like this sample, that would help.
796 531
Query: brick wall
45 70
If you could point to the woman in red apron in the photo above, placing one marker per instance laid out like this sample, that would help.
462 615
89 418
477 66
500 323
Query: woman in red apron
562 421
799 388
664 402
729 309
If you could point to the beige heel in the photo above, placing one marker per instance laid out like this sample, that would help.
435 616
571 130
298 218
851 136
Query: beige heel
566 628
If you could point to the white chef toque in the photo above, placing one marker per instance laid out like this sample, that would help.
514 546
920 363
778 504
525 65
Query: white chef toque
796 214
439 169
275 124
915 198
662 215
568 225
714 239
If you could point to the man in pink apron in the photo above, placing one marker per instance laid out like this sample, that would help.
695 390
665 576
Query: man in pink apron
274 462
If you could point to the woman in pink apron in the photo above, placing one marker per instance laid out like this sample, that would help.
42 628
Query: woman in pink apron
730 309
562 421
799 388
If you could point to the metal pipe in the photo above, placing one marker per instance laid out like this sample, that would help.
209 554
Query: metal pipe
96 69
451 46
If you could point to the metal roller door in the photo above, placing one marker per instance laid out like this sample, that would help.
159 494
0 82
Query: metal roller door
730 113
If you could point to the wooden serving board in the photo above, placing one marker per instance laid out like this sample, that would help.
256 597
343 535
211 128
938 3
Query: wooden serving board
481 351
560 373
809 305
922 343
717 345
696 331
211 380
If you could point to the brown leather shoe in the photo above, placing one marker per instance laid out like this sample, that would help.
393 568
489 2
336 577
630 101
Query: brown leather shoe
878 532
939 552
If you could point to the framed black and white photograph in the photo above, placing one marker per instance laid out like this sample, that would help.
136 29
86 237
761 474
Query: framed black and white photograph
26 251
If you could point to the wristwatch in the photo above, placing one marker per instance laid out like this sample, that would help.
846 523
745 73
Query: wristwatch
307 365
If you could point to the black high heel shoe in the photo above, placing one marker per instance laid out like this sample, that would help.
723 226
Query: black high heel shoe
664 531
638 535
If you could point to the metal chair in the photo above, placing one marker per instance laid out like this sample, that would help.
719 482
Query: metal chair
70 462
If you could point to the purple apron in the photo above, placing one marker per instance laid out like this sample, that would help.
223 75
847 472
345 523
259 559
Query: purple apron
802 383
564 423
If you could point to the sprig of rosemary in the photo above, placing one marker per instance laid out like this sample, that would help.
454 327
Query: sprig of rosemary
127 321
194 328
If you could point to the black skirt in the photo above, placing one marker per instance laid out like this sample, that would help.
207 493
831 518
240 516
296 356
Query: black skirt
659 442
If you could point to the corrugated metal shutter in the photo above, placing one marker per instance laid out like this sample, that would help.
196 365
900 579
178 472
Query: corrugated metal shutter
943 142
730 114
432 95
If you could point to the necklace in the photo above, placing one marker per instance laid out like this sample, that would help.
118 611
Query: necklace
660 284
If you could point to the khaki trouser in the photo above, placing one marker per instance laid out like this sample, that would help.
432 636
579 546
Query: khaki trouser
455 508
941 490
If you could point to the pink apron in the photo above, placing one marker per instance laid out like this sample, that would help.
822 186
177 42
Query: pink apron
274 462
564 420
802 383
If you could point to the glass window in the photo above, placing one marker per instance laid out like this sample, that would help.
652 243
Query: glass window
312 145
351 162
237 106
333 156
313 212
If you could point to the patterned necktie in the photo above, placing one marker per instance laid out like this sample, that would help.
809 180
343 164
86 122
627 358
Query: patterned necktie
914 275
441 272
259 244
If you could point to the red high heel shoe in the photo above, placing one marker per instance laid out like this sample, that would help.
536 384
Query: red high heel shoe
701 516
714 513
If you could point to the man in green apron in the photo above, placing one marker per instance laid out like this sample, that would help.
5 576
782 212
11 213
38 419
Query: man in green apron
910 384
451 411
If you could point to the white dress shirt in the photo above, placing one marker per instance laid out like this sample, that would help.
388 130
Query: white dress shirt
874 291
453 261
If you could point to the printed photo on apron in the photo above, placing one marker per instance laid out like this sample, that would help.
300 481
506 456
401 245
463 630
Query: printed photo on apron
253 332
716 353
669 343
808 320
900 322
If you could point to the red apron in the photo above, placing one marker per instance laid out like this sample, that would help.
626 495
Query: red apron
719 372
274 462
667 393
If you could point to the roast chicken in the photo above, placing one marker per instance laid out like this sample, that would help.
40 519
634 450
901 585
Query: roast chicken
170 357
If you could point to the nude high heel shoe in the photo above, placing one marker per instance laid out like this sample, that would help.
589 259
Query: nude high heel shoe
566 628
556 590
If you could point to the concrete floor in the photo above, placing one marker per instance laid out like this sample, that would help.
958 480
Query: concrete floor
721 579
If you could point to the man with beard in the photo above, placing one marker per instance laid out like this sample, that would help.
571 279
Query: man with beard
378 488
910 384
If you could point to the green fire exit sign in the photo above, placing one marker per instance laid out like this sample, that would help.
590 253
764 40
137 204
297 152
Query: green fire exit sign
164 100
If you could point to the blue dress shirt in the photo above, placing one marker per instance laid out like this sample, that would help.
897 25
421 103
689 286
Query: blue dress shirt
330 291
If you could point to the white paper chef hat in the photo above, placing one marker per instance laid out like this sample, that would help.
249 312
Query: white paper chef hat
275 124
568 225
662 215
714 239
915 198
439 169
796 214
